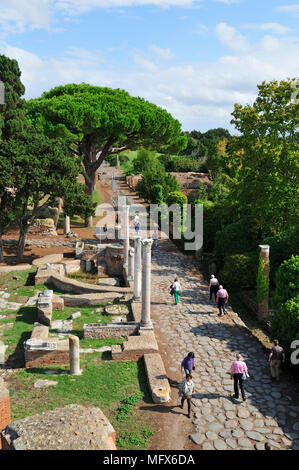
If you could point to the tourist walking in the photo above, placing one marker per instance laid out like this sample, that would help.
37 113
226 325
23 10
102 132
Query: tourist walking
239 373
176 290
187 364
221 300
276 357
155 238
186 390
214 286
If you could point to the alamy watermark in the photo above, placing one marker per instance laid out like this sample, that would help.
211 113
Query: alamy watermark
180 222
2 93
295 94
295 354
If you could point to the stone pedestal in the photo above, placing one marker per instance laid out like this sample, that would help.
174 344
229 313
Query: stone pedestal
74 355
131 265
125 217
146 283
67 225
137 270
264 304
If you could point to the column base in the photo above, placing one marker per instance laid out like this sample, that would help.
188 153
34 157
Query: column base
77 373
147 326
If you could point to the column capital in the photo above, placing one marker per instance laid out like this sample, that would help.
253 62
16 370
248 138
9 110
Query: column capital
147 243
265 248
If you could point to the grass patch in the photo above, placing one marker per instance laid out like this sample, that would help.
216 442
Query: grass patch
105 384
88 277
99 343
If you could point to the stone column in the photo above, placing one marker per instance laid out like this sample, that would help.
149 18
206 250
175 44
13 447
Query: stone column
67 224
126 234
131 265
74 355
146 283
137 270
264 304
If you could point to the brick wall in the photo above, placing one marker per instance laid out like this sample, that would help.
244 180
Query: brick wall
5 418
46 358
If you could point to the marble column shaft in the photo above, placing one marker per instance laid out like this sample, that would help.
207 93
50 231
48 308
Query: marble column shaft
146 283
74 355
137 269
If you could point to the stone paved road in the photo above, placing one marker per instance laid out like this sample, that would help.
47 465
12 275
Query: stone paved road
220 422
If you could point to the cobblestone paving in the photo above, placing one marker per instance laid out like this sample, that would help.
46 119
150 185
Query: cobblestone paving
220 422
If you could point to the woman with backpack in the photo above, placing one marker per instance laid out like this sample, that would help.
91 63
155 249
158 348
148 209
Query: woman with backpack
175 290
186 390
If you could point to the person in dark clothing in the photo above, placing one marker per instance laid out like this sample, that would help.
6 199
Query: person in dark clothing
221 300
276 357
214 286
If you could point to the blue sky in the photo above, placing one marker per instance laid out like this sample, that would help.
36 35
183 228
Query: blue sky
196 58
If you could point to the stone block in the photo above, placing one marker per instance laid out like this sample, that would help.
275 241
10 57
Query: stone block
157 378
57 302
54 258
40 332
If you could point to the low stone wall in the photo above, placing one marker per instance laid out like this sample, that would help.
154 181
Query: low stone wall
64 284
248 299
157 378
17 267
110 330
89 300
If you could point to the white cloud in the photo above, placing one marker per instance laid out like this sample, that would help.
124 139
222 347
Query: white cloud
17 15
228 2
230 36
276 28
144 63
289 8
165 54
200 94
200 29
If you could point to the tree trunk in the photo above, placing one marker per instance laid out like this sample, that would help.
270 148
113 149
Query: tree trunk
22 241
90 181
1 249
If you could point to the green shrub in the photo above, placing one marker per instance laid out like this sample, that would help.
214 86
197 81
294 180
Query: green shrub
282 247
239 272
287 281
285 323
176 197
237 237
